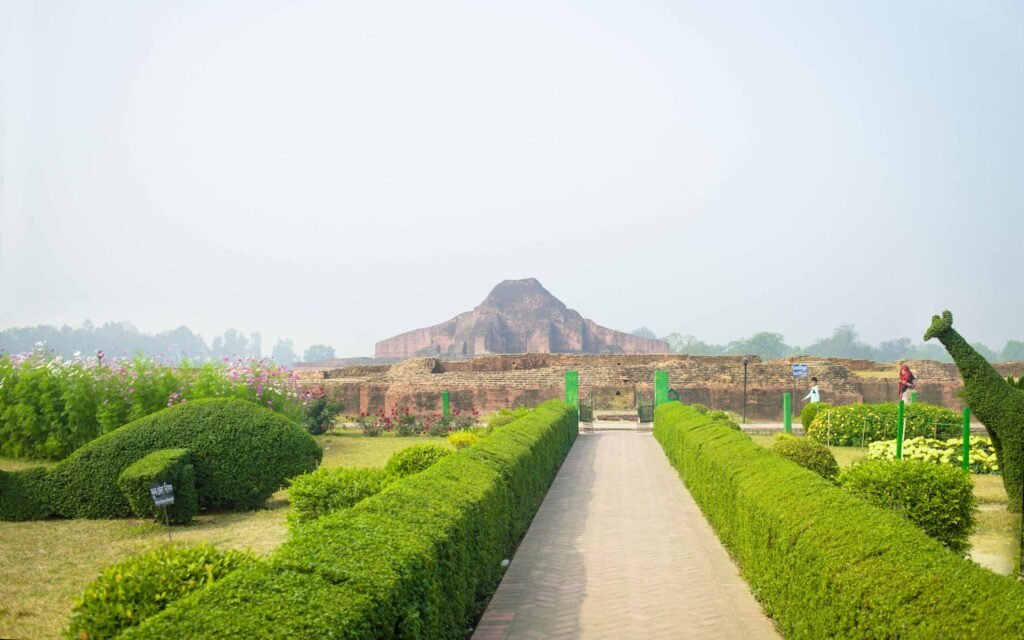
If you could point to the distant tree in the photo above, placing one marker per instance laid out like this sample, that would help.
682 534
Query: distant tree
898 349
318 353
678 343
932 351
284 353
255 345
769 346
1014 350
644 332
231 344
842 344
985 352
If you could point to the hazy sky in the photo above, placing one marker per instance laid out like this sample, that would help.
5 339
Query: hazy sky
341 172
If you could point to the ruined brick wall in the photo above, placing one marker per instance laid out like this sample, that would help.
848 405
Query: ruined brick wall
488 383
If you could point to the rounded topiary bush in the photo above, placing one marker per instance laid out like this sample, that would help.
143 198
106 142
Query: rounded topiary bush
414 459
313 495
806 453
809 411
241 454
857 425
127 593
937 498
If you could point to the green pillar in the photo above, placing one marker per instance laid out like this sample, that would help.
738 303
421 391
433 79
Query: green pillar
444 405
787 412
572 390
965 454
660 387
899 430
913 397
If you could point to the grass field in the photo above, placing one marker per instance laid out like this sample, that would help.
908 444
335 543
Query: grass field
45 564
994 543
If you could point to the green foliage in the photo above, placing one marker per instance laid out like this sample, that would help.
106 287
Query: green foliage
723 418
241 454
823 562
414 561
313 495
806 453
981 457
127 593
414 459
502 417
320 414
463 439
809 411
939 499
699 408
996 404
857 425
50 407
173 466
23 495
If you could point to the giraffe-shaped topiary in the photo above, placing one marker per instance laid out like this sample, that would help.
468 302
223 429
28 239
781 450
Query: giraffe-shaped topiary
999 406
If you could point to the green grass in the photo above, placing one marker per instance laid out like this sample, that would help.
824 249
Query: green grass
995 541
44 564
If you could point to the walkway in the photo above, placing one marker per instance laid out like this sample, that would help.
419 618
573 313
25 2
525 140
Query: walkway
620 550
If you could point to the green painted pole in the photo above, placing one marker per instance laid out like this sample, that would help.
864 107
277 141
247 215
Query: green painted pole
572 391
899 431
444 405
965 455
787 412
913 397
660 387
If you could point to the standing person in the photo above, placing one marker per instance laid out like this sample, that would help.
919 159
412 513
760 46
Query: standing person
906 383
814 395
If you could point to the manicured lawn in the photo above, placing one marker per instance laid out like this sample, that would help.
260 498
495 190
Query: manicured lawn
995 541
44 564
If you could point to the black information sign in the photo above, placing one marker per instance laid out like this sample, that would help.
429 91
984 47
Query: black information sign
163 494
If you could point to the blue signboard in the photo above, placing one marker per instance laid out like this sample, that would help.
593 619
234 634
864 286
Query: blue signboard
799 370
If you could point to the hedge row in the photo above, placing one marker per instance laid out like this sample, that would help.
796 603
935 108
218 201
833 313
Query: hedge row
414 561
825 563
857 425
170 466
240 452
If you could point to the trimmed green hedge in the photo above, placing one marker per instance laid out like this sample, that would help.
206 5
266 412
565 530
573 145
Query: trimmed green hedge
939 499
314 495
241 454
857 425
413 561
414 459
23 495
823 562
807 454
127 593
172 466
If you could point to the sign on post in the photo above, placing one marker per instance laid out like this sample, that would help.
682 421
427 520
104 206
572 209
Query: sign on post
163 494
799 370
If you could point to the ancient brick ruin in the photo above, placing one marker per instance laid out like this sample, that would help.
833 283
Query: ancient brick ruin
517 316
488 383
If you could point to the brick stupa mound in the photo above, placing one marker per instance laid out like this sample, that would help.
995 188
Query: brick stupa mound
518 316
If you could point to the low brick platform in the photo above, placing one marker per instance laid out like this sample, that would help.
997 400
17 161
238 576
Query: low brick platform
619 550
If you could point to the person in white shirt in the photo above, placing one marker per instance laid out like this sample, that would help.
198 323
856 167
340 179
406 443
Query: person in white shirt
815 394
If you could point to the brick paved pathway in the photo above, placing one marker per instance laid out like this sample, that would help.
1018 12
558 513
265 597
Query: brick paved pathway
619 550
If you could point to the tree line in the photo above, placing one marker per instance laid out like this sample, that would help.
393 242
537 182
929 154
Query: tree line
843 343
124 339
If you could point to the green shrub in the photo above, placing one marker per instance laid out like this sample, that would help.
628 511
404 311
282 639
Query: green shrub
319 415
23 495
981 456
462 439
723 418
700 408
172 466
502 417
938 499
807 454
809 411
324 491
857 425
414 561
414 459
823 562
241 454
127 593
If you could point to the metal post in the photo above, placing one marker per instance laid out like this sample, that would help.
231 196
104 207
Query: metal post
787 412
167 519
660 387
572 392
965 455
445 409
899 431
746 361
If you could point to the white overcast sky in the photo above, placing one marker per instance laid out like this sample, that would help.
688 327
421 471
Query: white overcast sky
341 172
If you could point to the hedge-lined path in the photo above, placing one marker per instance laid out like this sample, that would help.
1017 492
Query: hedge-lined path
617 550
